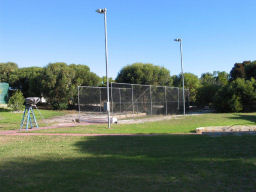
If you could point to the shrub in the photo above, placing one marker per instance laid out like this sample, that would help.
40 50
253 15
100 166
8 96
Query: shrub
16 101
238 95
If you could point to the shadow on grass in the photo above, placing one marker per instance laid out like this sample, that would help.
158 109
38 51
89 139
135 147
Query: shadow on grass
137 163
251 118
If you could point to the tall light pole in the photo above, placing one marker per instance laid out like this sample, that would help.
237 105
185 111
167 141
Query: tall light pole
181 61
104 11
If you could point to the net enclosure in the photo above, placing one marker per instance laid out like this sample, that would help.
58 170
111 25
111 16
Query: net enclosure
132 99
4 87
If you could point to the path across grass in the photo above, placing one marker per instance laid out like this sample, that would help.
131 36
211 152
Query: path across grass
185 124
134 163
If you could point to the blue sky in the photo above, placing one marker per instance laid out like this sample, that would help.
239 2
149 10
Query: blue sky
215 33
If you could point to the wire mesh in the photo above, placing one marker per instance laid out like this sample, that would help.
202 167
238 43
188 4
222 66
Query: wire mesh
132 99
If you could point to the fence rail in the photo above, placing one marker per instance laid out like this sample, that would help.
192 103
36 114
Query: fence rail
132 98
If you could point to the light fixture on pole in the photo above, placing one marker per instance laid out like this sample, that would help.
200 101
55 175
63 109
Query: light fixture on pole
104 11
181 60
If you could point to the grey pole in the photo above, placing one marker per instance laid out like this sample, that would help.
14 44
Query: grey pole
132 102
178 98
181 61
100 99
150 99
78 101
106 58
120 100
165 100
112 98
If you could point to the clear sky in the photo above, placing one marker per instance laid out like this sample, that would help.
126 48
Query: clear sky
215 33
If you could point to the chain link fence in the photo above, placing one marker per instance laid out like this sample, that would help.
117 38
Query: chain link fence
132 99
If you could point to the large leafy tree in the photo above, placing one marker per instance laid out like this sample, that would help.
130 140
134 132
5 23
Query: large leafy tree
238 95
238 70
104 81
60 81
29 81
191 82
82 77
210 83
57 83
250 70
8 72
246 70
141 73
221 77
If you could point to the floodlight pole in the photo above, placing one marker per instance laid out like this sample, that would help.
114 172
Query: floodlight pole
101 11
181 61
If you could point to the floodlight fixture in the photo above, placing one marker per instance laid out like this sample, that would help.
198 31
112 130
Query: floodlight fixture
101 10
178 40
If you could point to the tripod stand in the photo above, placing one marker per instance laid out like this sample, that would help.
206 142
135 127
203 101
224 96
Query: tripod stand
28 112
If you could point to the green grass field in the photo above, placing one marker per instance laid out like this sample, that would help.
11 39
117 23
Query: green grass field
11 120
128 163
183 125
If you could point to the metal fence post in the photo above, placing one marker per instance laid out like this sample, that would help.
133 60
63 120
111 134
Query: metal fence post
120 102
178 98
100 99
150 99
78 103
112 97
165 100
132 101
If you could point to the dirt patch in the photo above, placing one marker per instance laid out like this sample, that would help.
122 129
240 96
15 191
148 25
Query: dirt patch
227 130
96 118
150 119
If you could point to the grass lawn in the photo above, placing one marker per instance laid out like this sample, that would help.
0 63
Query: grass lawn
11 120
128 163
183 125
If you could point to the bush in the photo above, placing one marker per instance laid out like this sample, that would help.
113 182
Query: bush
238 95
16 101
59 106
59 82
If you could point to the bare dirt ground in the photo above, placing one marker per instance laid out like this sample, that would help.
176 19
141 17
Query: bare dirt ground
102 118
227 130
15 132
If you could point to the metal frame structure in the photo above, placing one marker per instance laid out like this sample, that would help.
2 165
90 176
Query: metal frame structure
126 98
104 11
26 118
181 63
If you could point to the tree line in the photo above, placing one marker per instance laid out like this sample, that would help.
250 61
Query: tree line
57 82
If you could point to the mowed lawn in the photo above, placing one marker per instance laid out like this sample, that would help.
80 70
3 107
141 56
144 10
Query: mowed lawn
12 120
128 163
185 124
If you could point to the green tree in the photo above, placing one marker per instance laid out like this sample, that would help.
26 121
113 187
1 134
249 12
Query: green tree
82 77
238 71
29 81
222 77
191 82
8 72
140 73
238 95
60 81
250 70
104 81
57 84
210 83
16 101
